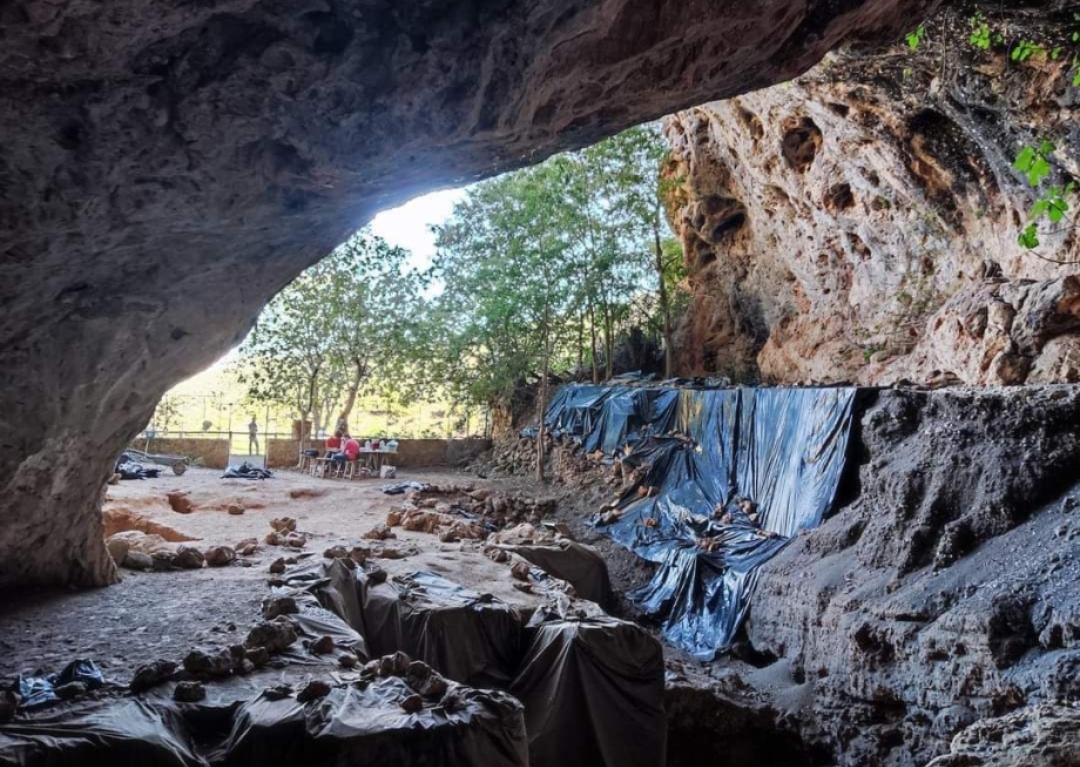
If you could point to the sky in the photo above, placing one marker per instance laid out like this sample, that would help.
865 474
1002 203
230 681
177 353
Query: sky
409 226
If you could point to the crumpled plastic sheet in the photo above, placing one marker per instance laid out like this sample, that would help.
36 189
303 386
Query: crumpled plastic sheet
348 726
698 452
368 726
40 690
403 487
593 689
469 637
247 471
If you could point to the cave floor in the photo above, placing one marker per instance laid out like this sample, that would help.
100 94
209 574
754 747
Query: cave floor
152 615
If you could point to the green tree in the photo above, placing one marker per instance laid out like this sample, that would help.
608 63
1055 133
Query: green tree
340 324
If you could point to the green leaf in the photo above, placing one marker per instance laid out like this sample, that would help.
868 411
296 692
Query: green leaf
1029 237
1024 159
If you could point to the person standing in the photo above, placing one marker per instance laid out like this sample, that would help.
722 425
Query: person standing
253 438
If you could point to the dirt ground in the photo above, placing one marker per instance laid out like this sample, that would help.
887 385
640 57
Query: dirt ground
153 615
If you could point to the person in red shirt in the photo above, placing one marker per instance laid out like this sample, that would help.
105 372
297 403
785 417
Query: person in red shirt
352 448
333 443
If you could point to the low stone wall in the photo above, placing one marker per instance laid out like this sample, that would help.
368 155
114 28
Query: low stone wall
411 453
213 453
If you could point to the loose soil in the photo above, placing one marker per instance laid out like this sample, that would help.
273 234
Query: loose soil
153 615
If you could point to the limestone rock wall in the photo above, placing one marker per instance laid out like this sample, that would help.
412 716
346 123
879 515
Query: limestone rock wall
859 223
167 167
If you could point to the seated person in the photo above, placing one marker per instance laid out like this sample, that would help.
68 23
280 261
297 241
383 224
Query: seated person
352 448
333 444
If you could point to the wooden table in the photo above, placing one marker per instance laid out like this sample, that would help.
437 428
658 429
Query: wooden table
374 457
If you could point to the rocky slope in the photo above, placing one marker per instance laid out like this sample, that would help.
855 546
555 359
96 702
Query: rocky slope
167 167
859 223
947 589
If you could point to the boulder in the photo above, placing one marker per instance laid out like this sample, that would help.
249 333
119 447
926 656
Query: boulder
275 635
152 674
220 556
189 558
180 503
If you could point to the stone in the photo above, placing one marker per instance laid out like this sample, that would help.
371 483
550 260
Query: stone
336 552
520 570
275 635
375 575
393 517
180 503
347 660
220 556
189 558
295 540
164 560
277 566
379 533
207 664
412 704
189 692
324 645
152 674
136 560
278 692
283 525
279 605
314 690
118 549
235 509
70 690
247 547
257 656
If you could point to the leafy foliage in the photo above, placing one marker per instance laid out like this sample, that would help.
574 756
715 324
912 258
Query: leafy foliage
915 38
344 323
545 268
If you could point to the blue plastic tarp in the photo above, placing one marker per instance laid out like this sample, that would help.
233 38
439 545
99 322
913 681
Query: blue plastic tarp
724 478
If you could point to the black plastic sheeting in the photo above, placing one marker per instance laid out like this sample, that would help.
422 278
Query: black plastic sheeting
363 724
697 453
368 726
469 637
593 689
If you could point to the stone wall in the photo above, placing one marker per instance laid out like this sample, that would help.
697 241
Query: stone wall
411 453
213 453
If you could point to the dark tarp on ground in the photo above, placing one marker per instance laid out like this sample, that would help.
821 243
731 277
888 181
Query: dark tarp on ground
368 726
593 689
783 449
580 566
469 637
109 732
349 726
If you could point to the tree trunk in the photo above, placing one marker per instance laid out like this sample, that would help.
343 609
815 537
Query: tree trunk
665 303
592 333
542 408
350 393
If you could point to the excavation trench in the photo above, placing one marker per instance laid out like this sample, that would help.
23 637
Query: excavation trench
929 514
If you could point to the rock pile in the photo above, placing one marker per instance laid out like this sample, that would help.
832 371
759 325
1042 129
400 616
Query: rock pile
462 512
284 533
